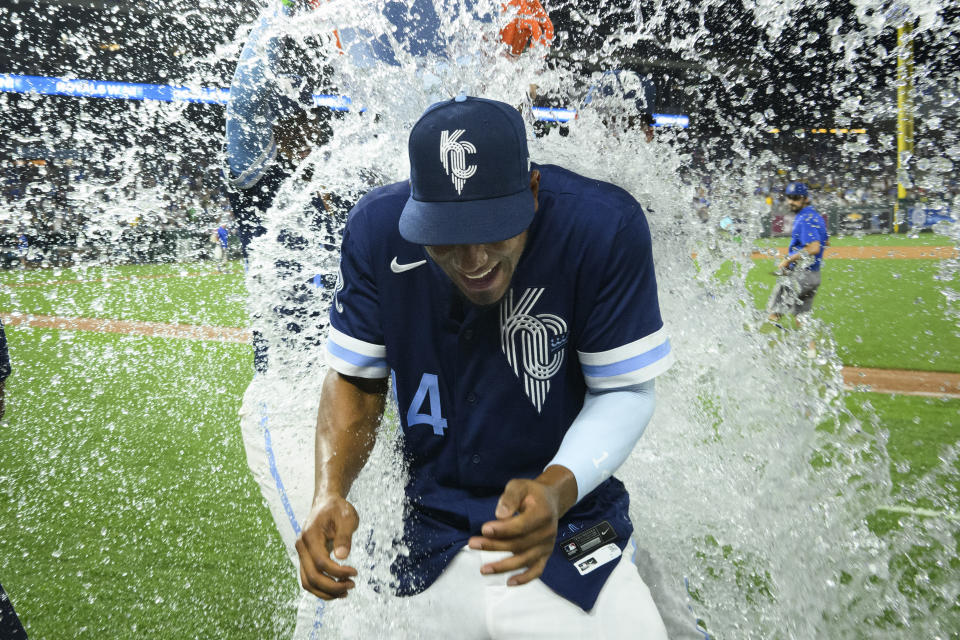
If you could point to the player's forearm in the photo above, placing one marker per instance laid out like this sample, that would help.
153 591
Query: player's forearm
809 251
604 433
350 411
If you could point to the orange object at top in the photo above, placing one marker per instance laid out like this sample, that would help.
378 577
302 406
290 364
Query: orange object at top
531 25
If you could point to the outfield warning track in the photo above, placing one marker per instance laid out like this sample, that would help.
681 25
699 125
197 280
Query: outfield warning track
901 381
128 327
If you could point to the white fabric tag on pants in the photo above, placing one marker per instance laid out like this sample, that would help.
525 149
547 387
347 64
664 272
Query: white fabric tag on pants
598 558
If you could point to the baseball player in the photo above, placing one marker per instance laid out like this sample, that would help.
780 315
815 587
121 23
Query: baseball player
221 239
267 126
515 305
800 270
268 121
23 246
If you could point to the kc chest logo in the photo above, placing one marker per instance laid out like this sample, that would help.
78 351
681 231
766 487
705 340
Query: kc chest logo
533 344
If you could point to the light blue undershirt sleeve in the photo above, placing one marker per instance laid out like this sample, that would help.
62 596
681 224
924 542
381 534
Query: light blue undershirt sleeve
604 433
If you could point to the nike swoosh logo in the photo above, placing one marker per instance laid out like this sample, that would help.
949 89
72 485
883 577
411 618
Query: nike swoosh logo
396 267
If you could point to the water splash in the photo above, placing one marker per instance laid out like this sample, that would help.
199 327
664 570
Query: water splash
754 483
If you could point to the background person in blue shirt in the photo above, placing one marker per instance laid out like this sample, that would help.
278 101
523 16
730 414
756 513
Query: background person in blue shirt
800 270
23 245
221 242
515 306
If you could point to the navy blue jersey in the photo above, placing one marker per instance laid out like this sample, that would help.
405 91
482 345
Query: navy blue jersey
808 227
486 394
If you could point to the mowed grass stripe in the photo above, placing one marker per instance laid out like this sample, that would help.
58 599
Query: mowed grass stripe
936 384
884 314
132 292
871 253
93 273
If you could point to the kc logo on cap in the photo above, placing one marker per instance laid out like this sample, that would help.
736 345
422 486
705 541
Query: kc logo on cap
453 155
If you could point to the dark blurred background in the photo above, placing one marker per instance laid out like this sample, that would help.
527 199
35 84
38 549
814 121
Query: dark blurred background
760 87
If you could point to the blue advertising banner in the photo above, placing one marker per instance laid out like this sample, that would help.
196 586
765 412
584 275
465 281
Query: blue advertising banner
80 88
922 217
554 114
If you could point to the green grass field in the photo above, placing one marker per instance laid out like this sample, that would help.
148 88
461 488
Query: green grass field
884 313
192 293
127 509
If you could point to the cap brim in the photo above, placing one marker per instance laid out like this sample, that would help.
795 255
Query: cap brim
467 222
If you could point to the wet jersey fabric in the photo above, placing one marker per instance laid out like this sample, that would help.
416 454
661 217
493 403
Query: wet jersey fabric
808 226
486 394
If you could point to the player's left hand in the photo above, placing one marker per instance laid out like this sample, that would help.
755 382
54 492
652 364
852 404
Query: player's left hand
526 524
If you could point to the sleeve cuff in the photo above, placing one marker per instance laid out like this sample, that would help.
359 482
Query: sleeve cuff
353 357
630 364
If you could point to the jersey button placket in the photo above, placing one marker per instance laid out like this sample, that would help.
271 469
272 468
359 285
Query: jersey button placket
472 398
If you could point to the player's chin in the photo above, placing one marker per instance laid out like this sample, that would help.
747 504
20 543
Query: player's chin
486 299
486 293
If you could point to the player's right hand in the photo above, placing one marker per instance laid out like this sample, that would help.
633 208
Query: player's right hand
329 528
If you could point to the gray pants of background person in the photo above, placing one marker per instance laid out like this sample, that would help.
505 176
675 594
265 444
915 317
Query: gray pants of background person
673 603
794 292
